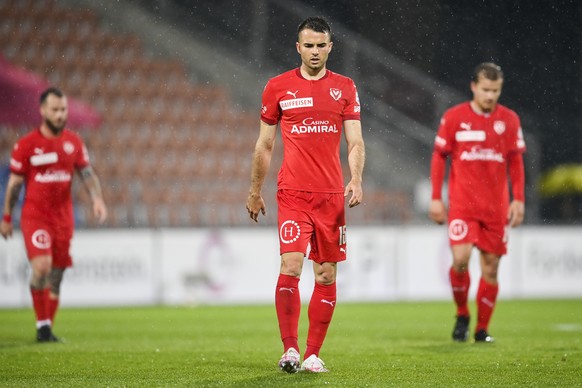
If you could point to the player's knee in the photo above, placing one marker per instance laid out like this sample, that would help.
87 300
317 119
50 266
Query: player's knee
38 282
489 273
291 264
41 266
326 274
325 278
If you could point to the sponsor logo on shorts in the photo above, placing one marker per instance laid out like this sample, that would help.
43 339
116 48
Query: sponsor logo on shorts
41 239
289 232
458 229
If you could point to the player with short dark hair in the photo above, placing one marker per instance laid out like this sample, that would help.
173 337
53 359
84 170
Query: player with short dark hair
311 105
44 161
484 142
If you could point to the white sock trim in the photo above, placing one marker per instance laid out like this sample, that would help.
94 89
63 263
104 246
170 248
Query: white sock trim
42 323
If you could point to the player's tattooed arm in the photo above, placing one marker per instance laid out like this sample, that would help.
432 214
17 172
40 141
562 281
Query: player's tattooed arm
15 183
91 182
93 186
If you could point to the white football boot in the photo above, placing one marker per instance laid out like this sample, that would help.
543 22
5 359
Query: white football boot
289 361
313 364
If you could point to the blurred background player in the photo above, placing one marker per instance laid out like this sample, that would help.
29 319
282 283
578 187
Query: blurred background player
484 141
44 161
311 104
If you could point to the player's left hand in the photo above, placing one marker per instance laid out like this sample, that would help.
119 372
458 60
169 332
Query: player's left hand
256 204
357 193
99 210
6 229
516 213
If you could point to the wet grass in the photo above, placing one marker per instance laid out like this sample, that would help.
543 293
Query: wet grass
539 343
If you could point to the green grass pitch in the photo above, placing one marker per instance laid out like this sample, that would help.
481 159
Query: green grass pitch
539 344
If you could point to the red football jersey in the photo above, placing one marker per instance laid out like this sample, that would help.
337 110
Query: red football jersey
311 114
47 166
478 146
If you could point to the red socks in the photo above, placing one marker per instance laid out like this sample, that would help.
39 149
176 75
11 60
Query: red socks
40 303
288 306
320 311
53 305
486 297
460 282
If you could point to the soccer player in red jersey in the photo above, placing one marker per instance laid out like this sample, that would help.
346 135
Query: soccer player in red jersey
311 105
44 161
484 142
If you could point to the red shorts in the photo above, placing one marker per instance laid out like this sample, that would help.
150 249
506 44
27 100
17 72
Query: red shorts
491 237
43 238
316 219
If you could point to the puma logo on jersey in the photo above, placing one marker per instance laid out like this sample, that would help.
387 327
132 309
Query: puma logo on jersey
331 303
293 94
286 289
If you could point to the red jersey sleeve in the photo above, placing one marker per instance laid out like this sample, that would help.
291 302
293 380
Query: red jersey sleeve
517 176
443 142
270 111
82 159
519 141
437 174
352 109
19 161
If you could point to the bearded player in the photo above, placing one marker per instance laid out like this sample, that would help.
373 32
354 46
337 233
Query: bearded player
44 161
311 105
484 142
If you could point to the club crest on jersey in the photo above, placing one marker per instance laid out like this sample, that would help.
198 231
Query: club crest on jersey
499 127
68 147
336 94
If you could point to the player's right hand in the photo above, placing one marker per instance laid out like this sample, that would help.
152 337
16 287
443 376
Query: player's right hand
255 204
6 229
437 211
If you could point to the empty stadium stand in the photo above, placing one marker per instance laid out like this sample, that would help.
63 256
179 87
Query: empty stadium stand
170 152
